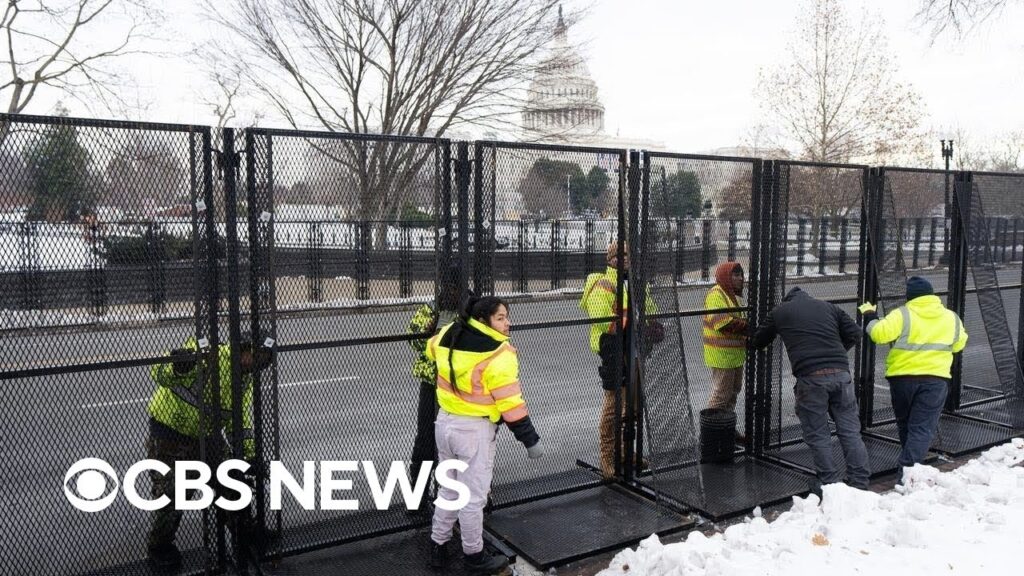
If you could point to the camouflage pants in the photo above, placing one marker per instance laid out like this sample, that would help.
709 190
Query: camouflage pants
165 521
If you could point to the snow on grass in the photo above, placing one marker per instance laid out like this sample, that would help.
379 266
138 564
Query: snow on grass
967 521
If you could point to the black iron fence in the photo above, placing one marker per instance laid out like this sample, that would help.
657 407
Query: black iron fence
124 241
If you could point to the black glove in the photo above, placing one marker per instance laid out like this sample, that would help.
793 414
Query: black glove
870 316
654 332
183 360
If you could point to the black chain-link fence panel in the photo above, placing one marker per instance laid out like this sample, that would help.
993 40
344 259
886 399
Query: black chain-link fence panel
815 244
345 240
991 366
697 216
909 236
108 263
547 215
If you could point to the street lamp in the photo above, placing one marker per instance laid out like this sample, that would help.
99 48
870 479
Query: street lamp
947 155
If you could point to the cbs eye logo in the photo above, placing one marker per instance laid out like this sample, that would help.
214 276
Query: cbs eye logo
85 483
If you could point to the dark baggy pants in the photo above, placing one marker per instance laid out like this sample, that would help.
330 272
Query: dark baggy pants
918 403
817 397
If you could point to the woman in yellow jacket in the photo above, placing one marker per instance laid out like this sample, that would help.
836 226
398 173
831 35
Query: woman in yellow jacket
477 387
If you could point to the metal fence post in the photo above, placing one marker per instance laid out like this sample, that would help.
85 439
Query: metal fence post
844 237
404 253
705 253
521 257
1013 247
801 245
364 239
314 257
822 244
30 278
918 229
156 253
934 228
680 254
732 240
588 255
97 274
556 280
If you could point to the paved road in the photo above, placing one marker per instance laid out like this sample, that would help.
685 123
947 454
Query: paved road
348 403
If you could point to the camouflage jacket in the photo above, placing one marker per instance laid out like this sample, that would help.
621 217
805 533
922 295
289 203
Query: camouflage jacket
424 321
427 320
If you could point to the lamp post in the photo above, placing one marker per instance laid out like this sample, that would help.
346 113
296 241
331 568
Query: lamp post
947 155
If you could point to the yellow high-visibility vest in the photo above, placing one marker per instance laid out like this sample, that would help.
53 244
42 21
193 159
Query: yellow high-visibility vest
924 335
484 384
722 350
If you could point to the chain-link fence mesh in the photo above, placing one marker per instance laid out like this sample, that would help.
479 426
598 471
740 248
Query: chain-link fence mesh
107 266
122 242
815 245
991 370
697 217
549 214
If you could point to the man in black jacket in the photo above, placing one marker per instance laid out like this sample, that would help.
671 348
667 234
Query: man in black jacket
817 336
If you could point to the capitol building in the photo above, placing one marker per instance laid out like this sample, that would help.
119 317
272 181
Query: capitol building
563 104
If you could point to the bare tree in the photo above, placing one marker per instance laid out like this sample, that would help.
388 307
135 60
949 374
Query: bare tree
407 67
46 48
958 16
838 97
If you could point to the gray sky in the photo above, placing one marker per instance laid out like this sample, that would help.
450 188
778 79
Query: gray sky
684 72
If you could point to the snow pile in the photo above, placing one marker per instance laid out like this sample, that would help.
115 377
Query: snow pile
968 521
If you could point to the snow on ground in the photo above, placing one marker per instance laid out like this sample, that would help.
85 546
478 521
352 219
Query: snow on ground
967 521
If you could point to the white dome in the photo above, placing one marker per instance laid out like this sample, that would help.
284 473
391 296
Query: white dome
563 101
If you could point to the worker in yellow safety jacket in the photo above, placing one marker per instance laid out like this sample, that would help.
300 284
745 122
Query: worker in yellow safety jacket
477 388
176 426
923 335
599 301
725 337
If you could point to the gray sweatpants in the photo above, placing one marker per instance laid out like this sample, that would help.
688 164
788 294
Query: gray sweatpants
472 440
816 398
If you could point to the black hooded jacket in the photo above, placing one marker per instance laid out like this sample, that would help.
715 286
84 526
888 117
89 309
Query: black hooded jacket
817 334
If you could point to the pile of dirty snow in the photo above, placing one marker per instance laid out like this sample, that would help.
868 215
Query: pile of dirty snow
967 521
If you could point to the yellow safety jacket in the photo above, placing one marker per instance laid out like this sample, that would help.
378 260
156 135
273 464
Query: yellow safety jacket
598 301
924 336
487 382
721 349
176 402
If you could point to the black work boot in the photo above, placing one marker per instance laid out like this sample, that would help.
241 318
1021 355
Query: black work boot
438 555
483 563
164 559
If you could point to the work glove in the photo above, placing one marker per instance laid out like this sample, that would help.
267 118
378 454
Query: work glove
869 312
535 451
654 331
183 360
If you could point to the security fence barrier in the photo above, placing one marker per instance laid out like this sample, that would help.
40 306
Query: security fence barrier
125 241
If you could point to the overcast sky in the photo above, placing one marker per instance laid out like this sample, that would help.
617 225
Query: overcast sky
684 72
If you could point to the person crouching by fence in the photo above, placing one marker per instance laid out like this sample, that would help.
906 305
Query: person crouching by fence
175 431
725 338
477 387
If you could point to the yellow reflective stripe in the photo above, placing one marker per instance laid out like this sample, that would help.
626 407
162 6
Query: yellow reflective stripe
719 342
480 399
506 391
903 342
515 414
